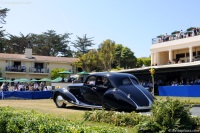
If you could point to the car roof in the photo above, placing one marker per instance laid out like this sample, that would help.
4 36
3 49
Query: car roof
114 77
111 74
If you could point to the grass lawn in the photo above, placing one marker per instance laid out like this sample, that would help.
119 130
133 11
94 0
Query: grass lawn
47 106
192 100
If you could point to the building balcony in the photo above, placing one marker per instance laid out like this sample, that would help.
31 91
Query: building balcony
23 70
12 69
175 43
33 70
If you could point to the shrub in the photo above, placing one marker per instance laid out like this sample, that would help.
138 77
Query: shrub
15 121
169 115
116 118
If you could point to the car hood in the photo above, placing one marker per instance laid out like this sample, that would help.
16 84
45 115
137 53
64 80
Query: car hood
138 94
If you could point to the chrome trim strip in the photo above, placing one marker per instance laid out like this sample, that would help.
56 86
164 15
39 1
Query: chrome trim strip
150 102
78 103
131 99
83 105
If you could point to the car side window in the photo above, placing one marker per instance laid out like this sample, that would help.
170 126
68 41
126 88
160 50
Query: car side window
106 82
99 81
126 81
134 81
91 80
102 82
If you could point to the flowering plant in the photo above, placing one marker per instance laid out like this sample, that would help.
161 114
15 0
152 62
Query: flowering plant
152 71
57 87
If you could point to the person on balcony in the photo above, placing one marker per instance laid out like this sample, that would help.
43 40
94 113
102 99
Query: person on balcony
166 37
195 31
39 68
182 34
19 68
23 68
198 30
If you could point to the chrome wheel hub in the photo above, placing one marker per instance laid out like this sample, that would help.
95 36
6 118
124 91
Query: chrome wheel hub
59 100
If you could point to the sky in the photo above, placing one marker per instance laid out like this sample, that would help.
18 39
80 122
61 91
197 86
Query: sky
132 23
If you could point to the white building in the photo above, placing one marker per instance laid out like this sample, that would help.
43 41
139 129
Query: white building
174 49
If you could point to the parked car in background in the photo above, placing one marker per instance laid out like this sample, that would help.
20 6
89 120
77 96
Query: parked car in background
107 90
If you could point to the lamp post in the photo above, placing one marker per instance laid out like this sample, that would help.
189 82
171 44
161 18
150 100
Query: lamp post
152 72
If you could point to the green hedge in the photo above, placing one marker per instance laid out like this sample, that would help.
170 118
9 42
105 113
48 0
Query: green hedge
15 121
166 115
116 118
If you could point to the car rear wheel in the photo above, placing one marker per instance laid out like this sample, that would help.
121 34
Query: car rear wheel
59 101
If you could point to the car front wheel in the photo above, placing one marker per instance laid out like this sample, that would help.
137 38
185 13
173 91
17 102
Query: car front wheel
59 101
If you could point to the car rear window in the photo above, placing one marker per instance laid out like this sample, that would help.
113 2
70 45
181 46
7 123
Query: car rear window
134 81
128 81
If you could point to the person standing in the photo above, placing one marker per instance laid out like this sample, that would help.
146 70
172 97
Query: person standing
182 34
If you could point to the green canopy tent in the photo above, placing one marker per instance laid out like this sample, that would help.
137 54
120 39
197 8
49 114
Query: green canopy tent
24 80
159 36
59 79
64 72
2 80
8 80
21 80
175 32
85 74
45 80
191 28
34 80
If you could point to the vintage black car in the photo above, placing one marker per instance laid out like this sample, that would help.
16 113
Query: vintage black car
107 90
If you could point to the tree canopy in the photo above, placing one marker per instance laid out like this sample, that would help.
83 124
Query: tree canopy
47 44
3 14
109 55
82 44
106 54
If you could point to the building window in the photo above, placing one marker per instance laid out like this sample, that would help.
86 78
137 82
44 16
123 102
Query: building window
39 67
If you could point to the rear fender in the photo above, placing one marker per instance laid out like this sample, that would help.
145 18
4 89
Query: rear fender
118 100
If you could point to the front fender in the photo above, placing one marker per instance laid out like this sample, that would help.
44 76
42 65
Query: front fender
67 96
115 99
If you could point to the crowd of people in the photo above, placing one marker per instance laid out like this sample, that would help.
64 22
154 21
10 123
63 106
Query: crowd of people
178 35
169 82
42 86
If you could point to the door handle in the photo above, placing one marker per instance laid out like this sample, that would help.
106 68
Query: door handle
94 88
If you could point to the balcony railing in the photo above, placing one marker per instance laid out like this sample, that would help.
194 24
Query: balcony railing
172 37
36 70
15 68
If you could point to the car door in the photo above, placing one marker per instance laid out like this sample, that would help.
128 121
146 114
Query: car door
102 86
88 91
